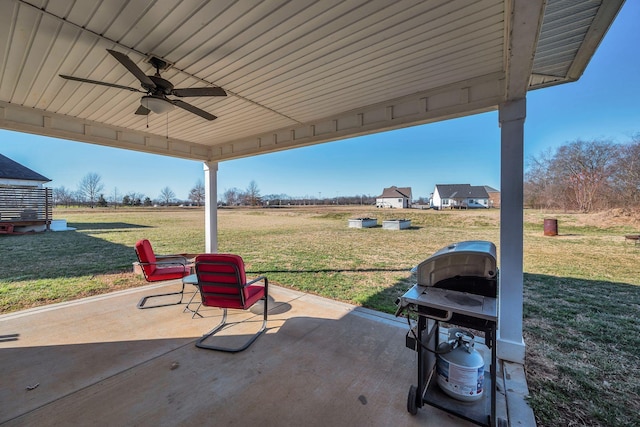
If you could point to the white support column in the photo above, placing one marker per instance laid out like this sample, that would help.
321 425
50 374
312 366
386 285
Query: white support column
211 207
510 342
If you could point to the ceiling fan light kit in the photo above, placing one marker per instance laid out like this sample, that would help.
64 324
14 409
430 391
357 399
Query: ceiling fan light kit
156 104
156 88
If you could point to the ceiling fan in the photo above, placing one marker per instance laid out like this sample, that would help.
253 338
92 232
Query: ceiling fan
156 88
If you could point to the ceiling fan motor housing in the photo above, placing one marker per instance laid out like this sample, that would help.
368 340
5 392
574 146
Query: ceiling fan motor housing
163 86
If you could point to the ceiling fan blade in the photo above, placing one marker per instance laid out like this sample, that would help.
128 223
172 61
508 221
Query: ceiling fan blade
199 91
192 109
133 68
142 111
95 82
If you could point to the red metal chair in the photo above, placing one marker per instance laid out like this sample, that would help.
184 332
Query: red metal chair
222 283
157 269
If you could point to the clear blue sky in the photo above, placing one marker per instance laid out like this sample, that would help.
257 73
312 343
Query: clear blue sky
604 104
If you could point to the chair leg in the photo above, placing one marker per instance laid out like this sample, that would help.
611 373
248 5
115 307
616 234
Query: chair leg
143 301
187 308
223 323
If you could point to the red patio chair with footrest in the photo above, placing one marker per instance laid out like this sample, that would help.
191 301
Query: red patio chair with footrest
157 269
222 283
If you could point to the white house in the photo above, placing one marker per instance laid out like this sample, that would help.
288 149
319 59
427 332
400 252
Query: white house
394 197
459 196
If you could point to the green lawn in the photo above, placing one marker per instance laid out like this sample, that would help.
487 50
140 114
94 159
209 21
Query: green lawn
581 288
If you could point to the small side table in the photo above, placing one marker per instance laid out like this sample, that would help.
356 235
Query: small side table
192 279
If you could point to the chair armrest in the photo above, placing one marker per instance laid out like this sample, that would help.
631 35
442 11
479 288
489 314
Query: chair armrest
167 263
179 258
257 279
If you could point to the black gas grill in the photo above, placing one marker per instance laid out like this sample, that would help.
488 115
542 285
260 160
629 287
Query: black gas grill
456 286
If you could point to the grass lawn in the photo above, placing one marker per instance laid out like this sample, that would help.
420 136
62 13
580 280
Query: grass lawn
581 300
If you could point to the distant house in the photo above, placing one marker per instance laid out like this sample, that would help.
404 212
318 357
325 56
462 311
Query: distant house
25 205
459 196
494 196
394 197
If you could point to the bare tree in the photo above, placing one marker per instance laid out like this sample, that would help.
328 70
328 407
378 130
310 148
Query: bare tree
62 196
115 197
540 186
577 176
626 176
232 196
167 196
586 167
252 194
90 187
196 195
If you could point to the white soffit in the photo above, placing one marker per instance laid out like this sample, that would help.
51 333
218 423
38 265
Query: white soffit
570 34
297 72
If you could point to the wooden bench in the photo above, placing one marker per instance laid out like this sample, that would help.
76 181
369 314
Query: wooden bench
634 237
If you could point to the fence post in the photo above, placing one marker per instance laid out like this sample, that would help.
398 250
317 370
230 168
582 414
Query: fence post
47 208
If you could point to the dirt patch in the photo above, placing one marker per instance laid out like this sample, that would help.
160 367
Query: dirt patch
613 217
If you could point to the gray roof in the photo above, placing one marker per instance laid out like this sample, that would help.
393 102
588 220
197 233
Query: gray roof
491 189
10 169
393 192
461 191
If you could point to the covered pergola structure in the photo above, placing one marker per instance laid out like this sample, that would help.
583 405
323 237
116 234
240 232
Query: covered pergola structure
297 73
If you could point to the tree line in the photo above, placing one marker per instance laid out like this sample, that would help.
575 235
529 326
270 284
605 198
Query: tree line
580 176
251 197
90 192
585 176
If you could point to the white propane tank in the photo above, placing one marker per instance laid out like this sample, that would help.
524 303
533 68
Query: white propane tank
460 368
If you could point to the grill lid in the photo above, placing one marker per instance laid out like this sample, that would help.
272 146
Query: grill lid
473 258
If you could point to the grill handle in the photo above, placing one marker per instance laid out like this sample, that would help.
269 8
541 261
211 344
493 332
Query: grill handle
445 318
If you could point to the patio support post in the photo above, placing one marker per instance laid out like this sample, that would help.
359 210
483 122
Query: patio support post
211 207
510 344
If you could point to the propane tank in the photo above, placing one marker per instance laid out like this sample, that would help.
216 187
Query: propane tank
460 367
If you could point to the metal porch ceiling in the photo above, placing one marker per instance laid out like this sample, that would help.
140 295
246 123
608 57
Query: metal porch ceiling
297 72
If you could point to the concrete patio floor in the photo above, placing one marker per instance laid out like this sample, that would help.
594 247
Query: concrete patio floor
101 361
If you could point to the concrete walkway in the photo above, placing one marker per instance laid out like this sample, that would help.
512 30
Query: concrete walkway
101 361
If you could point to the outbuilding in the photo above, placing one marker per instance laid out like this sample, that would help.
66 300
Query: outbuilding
25 204
394 197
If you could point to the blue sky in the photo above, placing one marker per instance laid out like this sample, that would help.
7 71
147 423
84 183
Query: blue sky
604 104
